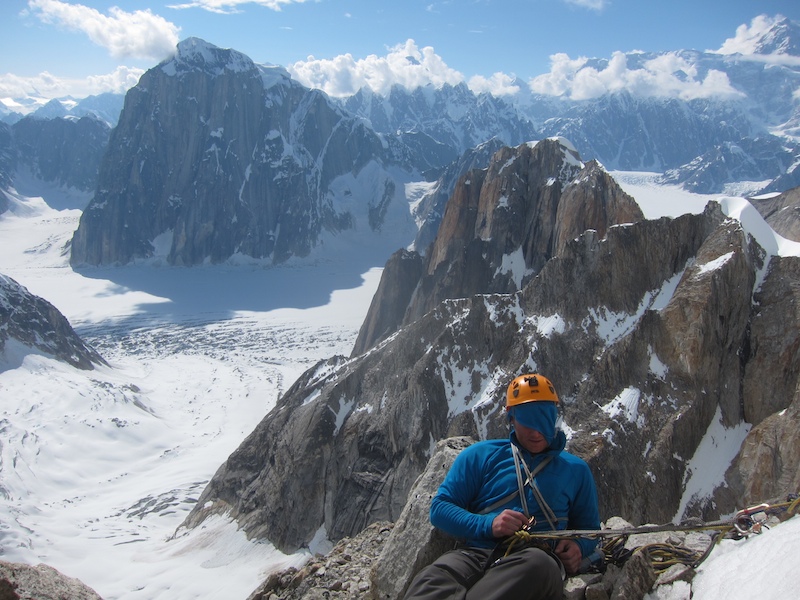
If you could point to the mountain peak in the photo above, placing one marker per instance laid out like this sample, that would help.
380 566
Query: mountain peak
765 35
782 38
194 54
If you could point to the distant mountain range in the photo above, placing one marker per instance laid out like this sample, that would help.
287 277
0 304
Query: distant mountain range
742 143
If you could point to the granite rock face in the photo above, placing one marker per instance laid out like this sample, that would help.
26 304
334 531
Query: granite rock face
215 156
501 226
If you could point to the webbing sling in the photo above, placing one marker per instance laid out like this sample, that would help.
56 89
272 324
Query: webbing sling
521 485
537 493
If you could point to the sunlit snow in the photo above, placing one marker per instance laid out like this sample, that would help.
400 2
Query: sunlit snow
98 469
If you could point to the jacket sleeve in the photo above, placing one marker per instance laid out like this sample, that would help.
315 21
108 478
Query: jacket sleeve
458 492
584 512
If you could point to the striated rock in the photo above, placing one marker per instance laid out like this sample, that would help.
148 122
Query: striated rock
504 223
593 200
25 582
768 464
431 206
29 323
399 279
774 348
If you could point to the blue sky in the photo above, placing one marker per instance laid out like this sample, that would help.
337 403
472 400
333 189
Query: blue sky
60 47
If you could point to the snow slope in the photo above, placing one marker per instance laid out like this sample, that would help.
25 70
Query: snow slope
98 469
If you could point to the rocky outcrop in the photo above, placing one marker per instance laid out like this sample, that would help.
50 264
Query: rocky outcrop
29 323
25 582
430 208
217 156
782 212
398 282
502 225
651 335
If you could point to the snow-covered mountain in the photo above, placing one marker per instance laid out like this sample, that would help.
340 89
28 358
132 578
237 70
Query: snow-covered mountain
105 107
452 118
684 125
687 112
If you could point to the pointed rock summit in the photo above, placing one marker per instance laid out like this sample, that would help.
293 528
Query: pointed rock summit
500 227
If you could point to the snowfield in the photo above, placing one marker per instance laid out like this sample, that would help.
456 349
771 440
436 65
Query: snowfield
98 469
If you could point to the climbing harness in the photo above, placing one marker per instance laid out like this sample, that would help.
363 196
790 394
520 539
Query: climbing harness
530 480
520 485
746 522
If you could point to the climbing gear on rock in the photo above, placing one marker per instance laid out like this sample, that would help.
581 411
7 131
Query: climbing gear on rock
745 522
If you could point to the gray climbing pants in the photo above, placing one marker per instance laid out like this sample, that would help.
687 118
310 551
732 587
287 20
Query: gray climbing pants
465 574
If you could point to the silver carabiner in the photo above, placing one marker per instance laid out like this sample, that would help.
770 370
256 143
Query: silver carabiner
751 520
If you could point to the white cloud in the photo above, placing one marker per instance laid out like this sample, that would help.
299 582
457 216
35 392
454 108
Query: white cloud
593 4
747 38
498 84
46 85
118 81
668 75
231 6
405 64
138 34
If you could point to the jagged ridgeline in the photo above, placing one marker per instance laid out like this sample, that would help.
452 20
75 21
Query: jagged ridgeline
657 333
215 157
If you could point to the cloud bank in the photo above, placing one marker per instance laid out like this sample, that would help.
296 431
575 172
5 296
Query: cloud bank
668 75
405 64
139 34
46 85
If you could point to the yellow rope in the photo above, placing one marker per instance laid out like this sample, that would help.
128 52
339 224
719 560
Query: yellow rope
662 555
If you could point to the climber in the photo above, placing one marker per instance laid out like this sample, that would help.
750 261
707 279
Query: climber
480 503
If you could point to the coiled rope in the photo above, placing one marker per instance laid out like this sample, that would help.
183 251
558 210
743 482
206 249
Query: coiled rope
664 555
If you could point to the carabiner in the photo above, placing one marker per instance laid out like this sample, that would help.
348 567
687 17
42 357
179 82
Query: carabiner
751 520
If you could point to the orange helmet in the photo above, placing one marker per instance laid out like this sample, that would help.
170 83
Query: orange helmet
530 388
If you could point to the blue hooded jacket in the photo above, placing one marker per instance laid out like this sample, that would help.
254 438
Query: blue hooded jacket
484 473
